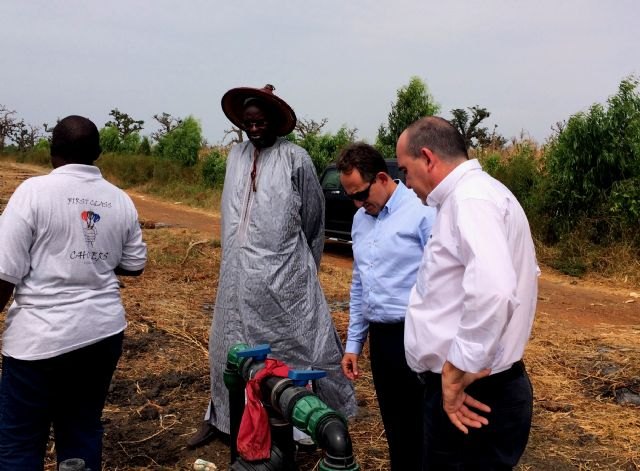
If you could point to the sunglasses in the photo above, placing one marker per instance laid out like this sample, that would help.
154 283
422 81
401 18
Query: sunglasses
362 195
260 123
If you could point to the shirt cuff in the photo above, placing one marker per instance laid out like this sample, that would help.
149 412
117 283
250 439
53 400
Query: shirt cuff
353 347
468 356
9 279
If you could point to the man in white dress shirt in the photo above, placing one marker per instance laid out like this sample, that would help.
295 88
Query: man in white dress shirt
472 308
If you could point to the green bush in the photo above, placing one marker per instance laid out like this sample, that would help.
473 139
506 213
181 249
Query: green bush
110 139
324 148
145 147
130 143
590 156
521 175
624 200
213 168
182 143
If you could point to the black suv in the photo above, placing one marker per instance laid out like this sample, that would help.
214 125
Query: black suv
339 209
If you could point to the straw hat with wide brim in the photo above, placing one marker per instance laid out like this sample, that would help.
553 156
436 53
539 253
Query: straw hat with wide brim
236 99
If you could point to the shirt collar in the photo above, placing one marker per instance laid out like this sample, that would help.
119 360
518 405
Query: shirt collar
77 169
395 198
448 183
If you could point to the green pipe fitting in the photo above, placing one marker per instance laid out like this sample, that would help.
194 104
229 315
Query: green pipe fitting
309 411
232 375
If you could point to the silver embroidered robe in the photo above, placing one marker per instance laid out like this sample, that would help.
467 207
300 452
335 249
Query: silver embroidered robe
268 289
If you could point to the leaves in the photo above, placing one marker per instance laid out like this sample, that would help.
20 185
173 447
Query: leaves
594 158
413 102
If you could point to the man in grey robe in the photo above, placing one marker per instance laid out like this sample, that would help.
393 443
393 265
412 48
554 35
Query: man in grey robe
272 239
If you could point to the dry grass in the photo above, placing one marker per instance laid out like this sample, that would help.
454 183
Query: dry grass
577 377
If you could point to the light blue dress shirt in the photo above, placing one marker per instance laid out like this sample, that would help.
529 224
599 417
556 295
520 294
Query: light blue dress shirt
387 251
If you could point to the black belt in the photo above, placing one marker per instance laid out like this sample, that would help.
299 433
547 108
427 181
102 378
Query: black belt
376 326
429 378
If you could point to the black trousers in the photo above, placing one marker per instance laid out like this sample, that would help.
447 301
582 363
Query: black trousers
496 446
68 391
399 394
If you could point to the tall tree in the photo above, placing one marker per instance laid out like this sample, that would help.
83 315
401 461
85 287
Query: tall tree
309 126
48 130
413 102
7 124
167 124
468 124
124 123
593 162
236 133
25 135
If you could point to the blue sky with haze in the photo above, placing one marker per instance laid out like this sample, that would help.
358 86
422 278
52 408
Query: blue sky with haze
530 64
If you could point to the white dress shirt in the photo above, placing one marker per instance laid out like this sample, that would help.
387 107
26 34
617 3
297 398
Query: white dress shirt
475 296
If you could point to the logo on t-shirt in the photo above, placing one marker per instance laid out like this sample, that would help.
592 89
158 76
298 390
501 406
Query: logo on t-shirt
89 228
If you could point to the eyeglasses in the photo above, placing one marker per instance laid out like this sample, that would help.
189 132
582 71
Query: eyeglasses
362 195
260 123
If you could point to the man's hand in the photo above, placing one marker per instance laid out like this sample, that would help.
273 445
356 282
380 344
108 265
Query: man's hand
349 365
456 401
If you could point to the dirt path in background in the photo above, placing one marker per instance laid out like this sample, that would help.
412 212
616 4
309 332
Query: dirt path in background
154 212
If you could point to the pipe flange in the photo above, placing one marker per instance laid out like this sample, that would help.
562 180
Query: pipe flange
277 390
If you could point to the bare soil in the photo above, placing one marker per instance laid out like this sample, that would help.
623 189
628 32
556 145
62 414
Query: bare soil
583 358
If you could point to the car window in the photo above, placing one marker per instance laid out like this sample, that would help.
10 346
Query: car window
331 179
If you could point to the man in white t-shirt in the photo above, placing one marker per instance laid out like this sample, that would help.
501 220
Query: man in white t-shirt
63 239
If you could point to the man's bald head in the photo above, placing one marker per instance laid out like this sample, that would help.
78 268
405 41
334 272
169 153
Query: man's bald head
437 134
75 140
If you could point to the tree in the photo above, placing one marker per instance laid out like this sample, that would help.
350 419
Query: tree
49 130
413 102
124 123
468 125
145 147
25 135
239 137
305 127
593 157
167 124
214 167
110 139
182 143
324 148
7 125
121 134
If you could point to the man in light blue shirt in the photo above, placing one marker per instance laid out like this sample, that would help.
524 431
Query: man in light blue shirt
390 231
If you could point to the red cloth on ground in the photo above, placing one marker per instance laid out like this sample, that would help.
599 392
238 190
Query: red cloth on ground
254 436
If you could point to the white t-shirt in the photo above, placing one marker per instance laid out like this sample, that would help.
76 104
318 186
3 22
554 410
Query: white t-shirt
61 237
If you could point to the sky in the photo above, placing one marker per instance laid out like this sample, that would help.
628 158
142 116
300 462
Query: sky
531 64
